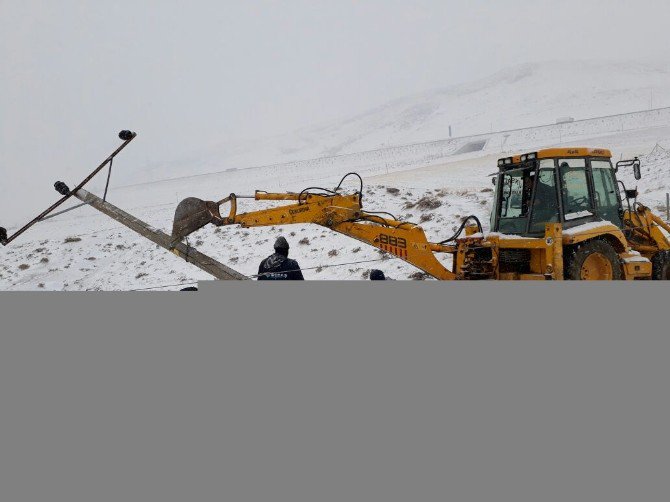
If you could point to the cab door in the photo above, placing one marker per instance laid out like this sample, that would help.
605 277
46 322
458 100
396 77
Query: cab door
545 200
605 192
576 198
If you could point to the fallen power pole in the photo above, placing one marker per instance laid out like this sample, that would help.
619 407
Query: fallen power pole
182 250
191 255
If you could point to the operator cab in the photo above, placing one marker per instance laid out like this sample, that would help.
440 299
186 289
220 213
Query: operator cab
571 186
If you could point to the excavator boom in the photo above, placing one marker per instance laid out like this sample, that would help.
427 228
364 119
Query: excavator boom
340 213
545 241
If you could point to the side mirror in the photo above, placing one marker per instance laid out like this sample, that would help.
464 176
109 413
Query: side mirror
631 194
627 163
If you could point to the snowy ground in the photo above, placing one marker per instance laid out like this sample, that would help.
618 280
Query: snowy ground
83 250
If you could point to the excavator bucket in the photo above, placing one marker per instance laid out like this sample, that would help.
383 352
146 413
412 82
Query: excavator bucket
192 214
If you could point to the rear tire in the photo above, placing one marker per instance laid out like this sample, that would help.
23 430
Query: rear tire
594 260
660 266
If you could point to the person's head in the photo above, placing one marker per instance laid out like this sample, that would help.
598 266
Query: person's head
377 275
281 246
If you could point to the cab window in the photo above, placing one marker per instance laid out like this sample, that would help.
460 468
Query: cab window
515 197
605 192
545 203
575 189
512 195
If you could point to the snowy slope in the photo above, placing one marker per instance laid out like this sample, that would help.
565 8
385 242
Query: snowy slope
110 257
83 250
523 96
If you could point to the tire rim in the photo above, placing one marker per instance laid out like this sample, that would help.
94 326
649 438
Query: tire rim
596 267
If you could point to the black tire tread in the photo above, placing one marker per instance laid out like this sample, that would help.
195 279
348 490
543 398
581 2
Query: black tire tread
659 263
577 254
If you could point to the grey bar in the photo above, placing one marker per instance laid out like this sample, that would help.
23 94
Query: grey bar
326 391
58 213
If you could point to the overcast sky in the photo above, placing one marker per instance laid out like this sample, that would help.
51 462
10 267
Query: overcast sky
185 74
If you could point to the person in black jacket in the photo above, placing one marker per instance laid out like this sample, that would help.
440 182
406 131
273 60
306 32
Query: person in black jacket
278 266
377 275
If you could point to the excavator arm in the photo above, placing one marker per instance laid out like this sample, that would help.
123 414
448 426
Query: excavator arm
338 212
644 229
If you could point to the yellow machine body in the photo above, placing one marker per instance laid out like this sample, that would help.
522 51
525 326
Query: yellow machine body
597 250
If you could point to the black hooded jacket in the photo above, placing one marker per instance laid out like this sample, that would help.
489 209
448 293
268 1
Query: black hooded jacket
278 267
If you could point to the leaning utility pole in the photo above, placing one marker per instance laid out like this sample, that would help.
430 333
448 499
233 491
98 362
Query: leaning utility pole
191 255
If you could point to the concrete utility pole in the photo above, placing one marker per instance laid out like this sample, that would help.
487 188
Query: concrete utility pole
191 255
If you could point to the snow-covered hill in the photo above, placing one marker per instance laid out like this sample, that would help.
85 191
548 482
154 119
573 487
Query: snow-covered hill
519 97
83 250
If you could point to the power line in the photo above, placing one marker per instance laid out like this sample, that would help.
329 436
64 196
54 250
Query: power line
165 286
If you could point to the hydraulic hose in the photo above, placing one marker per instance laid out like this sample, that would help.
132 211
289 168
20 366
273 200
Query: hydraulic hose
462 227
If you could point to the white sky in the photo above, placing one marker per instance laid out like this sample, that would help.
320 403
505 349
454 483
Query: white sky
190 73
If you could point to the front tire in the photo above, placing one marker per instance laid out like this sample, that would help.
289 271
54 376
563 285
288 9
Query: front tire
660 266
594 260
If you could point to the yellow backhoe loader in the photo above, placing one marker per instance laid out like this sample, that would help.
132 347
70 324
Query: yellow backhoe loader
558 214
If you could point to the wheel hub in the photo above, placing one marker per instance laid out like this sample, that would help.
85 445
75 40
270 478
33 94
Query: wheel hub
596 267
